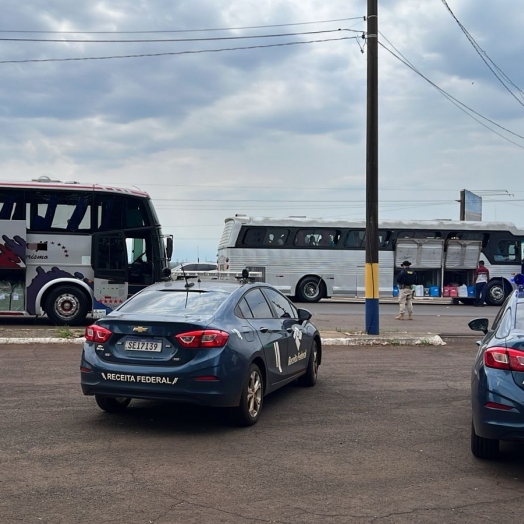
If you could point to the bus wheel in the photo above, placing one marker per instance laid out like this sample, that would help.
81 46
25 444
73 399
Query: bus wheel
66 306
495 294
310 289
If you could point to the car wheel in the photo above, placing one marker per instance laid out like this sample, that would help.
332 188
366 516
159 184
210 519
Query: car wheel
310 289
112 404
309 379
66 306
252 399
483 448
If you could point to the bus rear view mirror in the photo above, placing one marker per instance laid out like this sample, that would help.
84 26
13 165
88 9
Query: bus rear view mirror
169 247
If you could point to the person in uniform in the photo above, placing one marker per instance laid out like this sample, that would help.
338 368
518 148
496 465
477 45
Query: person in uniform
405 280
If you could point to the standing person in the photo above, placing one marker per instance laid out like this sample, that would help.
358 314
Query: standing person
481 283
405 279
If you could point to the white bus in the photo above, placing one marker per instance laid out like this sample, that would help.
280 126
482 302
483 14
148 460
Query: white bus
310 259
69 250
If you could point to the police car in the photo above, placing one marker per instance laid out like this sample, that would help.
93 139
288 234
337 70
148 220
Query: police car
215 343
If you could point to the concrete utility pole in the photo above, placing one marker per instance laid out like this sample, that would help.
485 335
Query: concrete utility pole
372 270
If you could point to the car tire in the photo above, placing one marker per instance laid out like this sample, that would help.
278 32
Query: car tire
310 289
252 399
309 378
483 448
66 306
112 404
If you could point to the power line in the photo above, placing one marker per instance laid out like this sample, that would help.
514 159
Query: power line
164 40
147 55
181 30
294 188
485 58
458 103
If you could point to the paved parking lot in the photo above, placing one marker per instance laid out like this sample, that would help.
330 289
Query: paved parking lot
383 437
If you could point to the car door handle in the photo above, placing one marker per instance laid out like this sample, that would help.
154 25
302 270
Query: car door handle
264 330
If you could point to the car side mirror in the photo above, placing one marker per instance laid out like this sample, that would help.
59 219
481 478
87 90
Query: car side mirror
479 324
304 314
166 273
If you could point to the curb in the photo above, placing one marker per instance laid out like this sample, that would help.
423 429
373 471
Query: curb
42 340
430 340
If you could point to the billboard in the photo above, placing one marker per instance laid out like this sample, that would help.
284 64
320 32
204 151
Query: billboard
470 206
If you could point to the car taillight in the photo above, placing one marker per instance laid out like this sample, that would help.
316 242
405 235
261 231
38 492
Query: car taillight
96 333
206 338
502 358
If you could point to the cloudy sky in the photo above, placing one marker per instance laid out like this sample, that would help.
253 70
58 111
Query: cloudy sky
259 107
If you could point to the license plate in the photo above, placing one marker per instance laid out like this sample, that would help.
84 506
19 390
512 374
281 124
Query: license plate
137 344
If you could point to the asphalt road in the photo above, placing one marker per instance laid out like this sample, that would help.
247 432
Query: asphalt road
383 437
333 316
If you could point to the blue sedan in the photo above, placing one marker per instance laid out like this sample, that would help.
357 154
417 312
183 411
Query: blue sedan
215 343
497 380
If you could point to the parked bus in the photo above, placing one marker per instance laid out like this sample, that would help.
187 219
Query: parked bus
69 250
310 259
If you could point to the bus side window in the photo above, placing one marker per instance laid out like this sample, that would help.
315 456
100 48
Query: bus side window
109 213
506 250
276 236
355 239
328 238
135 214
80 218
41 208
301 238
12 205
384 239
7 203
254 236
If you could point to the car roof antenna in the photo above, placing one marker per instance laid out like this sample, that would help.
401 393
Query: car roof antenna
188 284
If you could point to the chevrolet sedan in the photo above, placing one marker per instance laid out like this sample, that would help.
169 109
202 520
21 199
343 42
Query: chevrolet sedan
497 379
215 343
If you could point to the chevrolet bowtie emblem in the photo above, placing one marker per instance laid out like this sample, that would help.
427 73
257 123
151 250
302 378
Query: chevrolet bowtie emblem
140 329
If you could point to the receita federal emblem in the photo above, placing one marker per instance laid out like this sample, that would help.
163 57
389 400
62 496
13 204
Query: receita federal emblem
140 329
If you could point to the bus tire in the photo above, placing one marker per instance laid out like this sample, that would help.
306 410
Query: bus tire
496 293
310 289
66 306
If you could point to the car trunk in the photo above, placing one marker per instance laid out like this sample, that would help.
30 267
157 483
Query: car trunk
147 339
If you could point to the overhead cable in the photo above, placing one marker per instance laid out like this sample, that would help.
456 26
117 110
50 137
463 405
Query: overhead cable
485 58
179 30
32 60
457 102
163 40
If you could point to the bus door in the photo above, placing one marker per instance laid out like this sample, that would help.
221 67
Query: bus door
140 264
109 260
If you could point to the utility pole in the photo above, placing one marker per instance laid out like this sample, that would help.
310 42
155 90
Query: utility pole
372 270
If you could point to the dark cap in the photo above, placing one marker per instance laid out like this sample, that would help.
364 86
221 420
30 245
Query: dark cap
406 263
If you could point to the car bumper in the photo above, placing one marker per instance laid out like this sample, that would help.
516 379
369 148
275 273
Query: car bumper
497 387
178 384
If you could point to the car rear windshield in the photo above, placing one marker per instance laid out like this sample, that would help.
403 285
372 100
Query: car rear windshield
165 302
